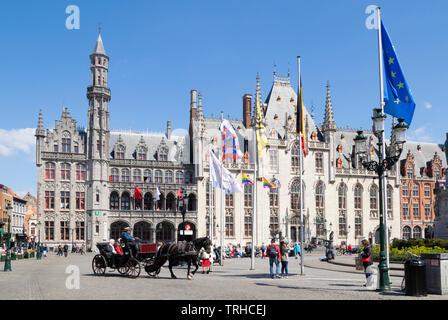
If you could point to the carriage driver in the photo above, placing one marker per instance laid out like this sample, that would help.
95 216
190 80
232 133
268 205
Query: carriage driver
131 240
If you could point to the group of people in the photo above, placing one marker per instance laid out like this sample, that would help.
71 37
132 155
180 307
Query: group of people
278 254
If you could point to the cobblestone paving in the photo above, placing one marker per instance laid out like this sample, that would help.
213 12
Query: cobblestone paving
46 279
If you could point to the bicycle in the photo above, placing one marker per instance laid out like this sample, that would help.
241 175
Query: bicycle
403 282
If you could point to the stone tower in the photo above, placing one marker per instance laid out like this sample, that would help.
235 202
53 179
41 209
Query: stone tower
329 130
98 146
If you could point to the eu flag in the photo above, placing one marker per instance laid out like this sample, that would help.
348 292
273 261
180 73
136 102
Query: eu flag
398 99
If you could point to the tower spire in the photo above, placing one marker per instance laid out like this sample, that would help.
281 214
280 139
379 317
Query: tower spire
200 113
40 123
329 123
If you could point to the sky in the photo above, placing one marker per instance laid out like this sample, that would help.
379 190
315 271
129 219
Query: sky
160 50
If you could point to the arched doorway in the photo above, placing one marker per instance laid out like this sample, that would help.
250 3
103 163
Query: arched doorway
117 229
164 232
190 234
191 202
170 202
142 230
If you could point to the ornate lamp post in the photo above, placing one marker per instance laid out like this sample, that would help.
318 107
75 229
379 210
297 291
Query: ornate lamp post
385 162
38 255
8 240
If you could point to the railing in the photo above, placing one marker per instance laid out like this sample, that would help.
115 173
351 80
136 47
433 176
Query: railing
151 214
361 172
63 156
236 166
149 163
317 145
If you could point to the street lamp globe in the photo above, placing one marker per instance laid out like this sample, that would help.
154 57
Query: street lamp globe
378 120
360 143
399 133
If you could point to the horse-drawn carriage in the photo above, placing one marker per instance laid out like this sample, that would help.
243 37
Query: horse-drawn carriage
126 264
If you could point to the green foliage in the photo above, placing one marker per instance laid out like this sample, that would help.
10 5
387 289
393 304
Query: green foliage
430 243
398 253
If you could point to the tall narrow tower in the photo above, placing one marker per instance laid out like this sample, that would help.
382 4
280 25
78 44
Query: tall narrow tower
329 130
98 145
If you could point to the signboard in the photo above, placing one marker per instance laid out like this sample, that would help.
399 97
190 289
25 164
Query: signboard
186 232
97 213
434 263
187 227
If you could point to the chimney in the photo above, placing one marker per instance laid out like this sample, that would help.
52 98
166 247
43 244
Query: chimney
247 103
193 104
168 129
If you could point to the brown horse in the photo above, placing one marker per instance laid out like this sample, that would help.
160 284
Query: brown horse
181 251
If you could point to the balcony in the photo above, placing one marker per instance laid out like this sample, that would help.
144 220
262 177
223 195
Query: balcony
360 172
63 156
147 214
318 145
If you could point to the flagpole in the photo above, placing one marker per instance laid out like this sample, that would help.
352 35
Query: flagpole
222 208
254 210
300 177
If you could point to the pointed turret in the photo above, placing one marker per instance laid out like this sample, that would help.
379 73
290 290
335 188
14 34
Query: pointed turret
200 113
99 48
40 136
329 123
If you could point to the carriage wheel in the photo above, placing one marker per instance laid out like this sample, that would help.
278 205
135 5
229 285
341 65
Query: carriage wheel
122 270
99 265
134 269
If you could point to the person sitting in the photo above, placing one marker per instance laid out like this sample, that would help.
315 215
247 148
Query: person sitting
118 248
131 240
111 253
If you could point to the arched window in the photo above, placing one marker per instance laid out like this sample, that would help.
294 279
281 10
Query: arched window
49 170
137 175
163 154
374 202
125 175
147 176
295 195
141 154
295 152
417 232
191 202
406 233
158 176
115 174
358 197
170 202
179 177
389 201
320 209
80 172
65 171
161 202
169 176
342 205
148 201
142 230
66 145
125 201
119 152
273 198
114 201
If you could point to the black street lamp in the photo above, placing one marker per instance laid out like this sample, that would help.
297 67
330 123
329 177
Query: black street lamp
183 211
38 255
385 162
8 240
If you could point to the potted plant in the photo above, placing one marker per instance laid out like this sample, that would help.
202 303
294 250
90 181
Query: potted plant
13 255
3 257
32 253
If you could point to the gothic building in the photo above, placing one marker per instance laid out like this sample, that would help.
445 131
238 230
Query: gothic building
86 178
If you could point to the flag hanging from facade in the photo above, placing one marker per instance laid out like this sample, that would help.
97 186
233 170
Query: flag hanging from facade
137 193
262 140
179 193
245 179
221 177
157 194
267 184
300 122
231 146
397 98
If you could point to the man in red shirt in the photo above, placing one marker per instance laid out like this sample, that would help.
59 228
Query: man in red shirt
273 252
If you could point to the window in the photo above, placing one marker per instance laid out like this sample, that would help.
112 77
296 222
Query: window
358 224
389 202
65 200
409 173
49 230
319 163
415 191
320 207
295 195
114 202
406 233
79 230
119 152
417 232
80 200
179 177
148 202
373 202
55 147
247 222
163 155
342 224
66 145
81 172
65 231
405 210
158 177
248 195
115 175
358 197
125 201
273 160
427 190
65 171
137 176
229 200
229 223
76 148
405 191
49 170
49 199
273 198
209 194
295 157
125 175
147 176
273 221
416 210
141 154
169 177
427 211
342 197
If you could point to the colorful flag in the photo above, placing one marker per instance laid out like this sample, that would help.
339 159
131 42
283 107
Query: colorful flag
300 122
245 179
157 194
398 99
231 146
267 184
262 140
221 177
179 193
137 193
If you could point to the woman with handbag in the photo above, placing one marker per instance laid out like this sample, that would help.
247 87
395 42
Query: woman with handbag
367 260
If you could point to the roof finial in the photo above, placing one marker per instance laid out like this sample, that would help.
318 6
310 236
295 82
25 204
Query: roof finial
275 69
329 122
289 74
99 27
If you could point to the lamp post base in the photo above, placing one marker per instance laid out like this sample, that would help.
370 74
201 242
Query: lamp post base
8 262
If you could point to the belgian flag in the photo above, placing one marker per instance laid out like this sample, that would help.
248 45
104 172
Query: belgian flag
300 122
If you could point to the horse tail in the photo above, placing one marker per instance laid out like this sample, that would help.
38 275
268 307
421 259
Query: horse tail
159 260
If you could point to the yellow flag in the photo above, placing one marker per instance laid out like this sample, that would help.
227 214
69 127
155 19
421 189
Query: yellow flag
262 141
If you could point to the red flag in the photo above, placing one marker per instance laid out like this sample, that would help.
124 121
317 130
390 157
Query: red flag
137 193
111 179
179 193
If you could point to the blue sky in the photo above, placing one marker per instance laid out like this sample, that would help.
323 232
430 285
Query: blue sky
160 50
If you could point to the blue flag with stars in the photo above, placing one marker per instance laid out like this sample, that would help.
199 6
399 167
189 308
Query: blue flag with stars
398 99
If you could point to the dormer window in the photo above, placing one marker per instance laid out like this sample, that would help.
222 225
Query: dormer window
163 155
409 173
66 145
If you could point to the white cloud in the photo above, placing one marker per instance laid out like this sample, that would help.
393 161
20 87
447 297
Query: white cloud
16 141
420 134
428 105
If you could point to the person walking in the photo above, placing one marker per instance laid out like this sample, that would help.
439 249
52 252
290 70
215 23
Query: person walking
83 249
60 250
274 255
263 251
65 250
297 251
284 250
205 262
367 260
